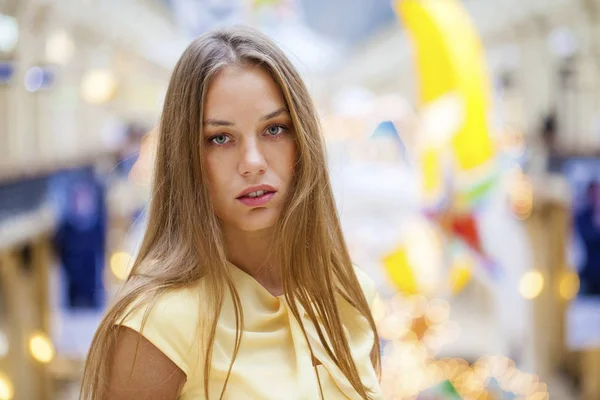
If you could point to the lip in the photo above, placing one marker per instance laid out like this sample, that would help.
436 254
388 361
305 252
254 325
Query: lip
257 201
266 188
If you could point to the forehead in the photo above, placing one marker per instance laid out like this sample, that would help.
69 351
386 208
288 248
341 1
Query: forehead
242 90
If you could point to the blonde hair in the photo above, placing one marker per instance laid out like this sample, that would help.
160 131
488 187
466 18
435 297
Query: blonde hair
177 251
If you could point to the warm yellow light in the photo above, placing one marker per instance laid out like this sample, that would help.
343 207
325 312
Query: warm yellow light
416 305
6 388
531 284
59 47
437 311
568 286
520 194
120 264
424 254
41 348
98 86
392 328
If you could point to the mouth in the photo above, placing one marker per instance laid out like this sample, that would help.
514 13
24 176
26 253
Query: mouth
257 196
256 191
257 199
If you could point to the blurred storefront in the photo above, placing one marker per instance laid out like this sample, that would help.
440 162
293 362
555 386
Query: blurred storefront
463 140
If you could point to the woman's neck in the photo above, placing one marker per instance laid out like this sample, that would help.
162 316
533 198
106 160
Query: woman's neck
251 252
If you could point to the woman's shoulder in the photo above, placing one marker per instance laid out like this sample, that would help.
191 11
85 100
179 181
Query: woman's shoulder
182 301
171 321
168 307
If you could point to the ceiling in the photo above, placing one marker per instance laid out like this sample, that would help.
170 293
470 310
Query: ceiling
344 21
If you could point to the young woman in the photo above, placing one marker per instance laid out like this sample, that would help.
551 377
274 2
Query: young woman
243 287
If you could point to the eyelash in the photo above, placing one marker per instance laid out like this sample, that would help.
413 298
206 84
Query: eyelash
283 130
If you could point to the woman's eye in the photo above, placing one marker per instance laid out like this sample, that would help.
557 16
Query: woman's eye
275 130
219 139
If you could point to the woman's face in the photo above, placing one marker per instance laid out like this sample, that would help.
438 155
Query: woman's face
249 148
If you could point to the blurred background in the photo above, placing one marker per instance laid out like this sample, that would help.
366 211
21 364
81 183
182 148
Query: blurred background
463 139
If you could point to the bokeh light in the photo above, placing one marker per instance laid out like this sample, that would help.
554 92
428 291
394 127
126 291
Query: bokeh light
424 254
41 347
6 388
9 33
59 47
120 264
568 285
520 193
34 79
98 86
438 311
531 284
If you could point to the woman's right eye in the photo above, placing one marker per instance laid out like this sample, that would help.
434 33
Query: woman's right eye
219 139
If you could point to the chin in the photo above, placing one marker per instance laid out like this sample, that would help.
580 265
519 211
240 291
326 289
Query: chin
262 219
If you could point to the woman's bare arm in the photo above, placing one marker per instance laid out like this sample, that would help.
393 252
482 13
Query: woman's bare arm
147 375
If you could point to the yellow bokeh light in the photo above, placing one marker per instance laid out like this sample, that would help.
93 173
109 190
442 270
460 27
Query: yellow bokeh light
6 388
98 86
392 328
568 286
120 264
416 305
424 253
437 311
400 271
531 284
41 348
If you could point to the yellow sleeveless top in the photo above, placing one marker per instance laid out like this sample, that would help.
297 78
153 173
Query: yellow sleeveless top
274 361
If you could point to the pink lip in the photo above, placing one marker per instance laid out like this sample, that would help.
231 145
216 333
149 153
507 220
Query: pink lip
257 201
266 188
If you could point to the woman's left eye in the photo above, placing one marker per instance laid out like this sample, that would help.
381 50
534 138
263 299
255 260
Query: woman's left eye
275 130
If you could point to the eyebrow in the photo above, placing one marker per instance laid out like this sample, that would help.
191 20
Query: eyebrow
274 114
220 122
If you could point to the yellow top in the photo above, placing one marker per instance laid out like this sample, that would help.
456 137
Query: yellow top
273 362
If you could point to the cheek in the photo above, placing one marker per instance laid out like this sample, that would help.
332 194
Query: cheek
288 158
214 175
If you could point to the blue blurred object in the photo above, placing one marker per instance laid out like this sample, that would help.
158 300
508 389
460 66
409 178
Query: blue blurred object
38 77
584 176
388 129
21 196
348 21
81 237
7 71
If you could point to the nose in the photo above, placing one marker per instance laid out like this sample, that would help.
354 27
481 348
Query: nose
252 159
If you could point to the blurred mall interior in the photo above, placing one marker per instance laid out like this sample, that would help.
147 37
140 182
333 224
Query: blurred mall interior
463 138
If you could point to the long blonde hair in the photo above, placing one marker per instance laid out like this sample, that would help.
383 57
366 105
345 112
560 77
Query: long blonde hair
183 242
